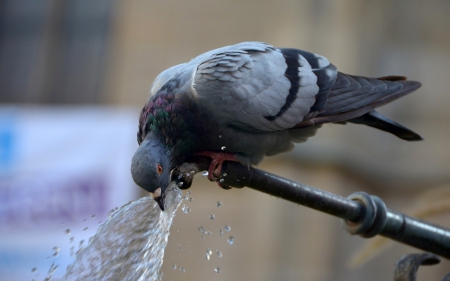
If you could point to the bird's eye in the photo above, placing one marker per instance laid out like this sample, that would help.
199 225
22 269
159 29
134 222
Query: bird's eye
159 169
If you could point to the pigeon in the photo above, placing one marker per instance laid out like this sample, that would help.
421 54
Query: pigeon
246 101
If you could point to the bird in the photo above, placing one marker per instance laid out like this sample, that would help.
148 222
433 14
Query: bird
250 100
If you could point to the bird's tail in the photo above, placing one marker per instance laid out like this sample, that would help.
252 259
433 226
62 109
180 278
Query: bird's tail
376 120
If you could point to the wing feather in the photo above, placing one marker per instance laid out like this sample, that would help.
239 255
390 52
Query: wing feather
257 87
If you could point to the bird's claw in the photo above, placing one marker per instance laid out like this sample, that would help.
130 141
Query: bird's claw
184 175
215 173
215 168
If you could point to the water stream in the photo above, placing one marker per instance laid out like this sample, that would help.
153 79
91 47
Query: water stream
130 244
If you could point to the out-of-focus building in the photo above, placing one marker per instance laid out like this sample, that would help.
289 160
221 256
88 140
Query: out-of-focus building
107 53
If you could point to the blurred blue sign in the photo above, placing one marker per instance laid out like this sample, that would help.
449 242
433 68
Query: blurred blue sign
61 170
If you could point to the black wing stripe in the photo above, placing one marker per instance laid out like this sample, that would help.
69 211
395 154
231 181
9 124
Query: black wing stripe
325 72
326 76
291 73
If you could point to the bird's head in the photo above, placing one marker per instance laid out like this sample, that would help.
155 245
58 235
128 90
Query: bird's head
151 167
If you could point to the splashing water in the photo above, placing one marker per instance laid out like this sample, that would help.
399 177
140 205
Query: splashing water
130 244
204 231
186 209
56 249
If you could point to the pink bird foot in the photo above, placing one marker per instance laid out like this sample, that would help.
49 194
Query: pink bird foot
215 168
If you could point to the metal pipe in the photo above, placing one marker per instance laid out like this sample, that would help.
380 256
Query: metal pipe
364 215
292 191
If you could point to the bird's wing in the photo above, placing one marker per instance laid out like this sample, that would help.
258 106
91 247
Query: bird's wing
353 96
257 87
164 77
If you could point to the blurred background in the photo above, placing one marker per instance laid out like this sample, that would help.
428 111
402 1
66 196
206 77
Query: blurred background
75 74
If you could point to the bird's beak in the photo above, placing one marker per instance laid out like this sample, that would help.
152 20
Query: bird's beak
159 197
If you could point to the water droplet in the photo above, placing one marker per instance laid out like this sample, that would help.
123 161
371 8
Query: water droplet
63 223
231 240
56 249
205 173
221 180
180 184
208 251
182 269
221 233
180 176
204 231
186 197
86 228
224 174
85 220
219 253
207 257
212 216
220 136
219 203
71 239
188 192
185 209
34 269
227 228
174 267
223 147
68 231
217 270
100 222
93 216
191 199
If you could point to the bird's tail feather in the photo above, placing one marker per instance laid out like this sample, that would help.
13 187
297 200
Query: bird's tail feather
380 122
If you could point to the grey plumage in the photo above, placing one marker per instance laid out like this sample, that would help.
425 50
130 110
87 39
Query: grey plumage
256 100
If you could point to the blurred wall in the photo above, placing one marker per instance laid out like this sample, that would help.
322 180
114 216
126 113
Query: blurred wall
109 52
53 51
